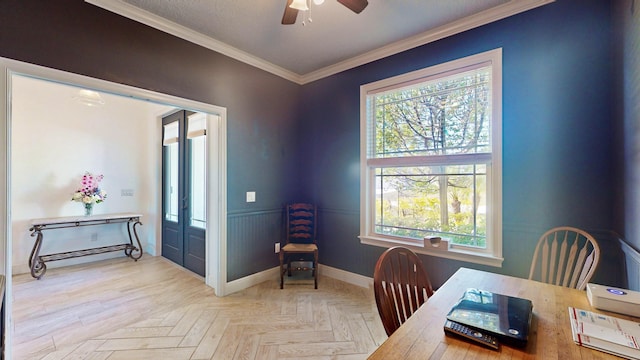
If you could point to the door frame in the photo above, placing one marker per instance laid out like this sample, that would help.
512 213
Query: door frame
216 236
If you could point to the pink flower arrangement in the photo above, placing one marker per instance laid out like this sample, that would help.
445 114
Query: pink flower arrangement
89 191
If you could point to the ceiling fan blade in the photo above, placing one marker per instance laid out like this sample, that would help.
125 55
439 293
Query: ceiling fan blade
290 14
355 5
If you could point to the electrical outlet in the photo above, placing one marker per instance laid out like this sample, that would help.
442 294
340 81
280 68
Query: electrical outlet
251 196
277 248
94 237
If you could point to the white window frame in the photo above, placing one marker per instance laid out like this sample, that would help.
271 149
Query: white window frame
492 255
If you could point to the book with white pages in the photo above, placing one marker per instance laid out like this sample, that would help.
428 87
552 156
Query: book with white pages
605 333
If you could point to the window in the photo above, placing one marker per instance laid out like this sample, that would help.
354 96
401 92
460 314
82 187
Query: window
197 125
431 159
170 141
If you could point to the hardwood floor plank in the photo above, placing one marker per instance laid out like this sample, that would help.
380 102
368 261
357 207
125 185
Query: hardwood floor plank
87 351
378 334
101 355
267 352
75 333
141 343
186 323
296 337
288 305
360 333
149 322
28 348
299 351
199 329
339 324
211 339
138 332
153 354
61 353
305 309
321 318
247 347
228 342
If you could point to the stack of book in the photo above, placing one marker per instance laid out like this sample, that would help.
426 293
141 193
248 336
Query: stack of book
605 333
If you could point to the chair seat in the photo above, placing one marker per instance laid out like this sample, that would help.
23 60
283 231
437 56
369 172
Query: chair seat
302 248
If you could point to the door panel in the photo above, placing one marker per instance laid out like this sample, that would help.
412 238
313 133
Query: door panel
184 196
172 171
172 248
194 250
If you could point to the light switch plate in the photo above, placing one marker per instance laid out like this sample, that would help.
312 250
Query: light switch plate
251 196
126 192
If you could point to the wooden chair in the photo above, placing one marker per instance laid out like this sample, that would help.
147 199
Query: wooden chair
565 256
300 241
400 285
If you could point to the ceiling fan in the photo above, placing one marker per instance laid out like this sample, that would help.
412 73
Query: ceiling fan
290 14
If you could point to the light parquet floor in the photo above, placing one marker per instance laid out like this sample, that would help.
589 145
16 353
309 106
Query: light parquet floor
153 309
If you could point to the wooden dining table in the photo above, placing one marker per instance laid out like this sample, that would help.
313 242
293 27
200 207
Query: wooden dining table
422 335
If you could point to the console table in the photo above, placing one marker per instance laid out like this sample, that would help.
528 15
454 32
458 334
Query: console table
37 261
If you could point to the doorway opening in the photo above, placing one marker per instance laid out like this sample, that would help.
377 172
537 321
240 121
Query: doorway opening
215 272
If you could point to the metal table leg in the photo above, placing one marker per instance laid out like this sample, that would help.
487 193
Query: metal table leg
133 249
38 267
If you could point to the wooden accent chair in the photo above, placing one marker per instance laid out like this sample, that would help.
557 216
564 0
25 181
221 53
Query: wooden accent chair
400 285
300 241
565 256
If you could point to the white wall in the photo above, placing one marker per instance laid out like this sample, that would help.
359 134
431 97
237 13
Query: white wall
55 140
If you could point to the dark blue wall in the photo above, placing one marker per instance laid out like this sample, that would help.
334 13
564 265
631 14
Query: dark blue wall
557 134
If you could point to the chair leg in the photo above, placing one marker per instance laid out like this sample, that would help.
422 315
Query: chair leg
281 256
315 268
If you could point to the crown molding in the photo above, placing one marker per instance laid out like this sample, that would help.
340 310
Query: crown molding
470 22
482 18
142 16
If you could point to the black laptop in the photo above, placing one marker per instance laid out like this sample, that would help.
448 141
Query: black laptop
505 317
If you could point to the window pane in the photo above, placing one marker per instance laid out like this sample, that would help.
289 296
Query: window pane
198 182
442 117
446 201
171 181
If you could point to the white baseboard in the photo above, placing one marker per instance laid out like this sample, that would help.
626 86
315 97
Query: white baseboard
273 273
151 250
20 269
348 277
251 280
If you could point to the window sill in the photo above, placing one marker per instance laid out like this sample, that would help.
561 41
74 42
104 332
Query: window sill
421 248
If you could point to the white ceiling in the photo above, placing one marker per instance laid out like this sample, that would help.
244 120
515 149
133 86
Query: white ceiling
335 40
